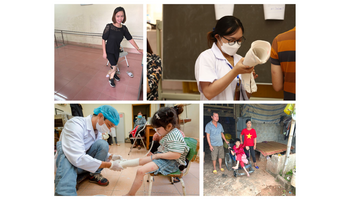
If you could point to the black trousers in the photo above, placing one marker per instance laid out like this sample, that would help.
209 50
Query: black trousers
250 152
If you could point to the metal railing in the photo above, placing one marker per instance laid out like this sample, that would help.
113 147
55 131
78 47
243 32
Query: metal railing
85 34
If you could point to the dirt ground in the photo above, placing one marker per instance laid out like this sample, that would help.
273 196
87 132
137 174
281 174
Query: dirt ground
260 182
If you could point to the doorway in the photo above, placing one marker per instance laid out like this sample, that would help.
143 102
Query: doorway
145 109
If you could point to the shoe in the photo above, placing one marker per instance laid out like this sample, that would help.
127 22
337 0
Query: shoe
98 179
111 82
215 172
116 77
222 169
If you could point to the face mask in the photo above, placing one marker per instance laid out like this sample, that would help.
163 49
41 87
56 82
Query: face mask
230 50
103 128
139 116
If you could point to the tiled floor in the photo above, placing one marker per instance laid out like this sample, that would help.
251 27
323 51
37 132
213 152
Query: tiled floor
120 182
80 74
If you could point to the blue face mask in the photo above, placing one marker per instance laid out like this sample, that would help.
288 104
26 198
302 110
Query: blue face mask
139 116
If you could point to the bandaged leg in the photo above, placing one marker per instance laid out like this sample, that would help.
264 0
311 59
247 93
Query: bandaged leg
130 163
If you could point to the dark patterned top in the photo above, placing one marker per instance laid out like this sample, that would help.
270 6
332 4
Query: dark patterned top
154 73
114 37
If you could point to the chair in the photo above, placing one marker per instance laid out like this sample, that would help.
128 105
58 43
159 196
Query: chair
121 55
230 160
138 136
191 156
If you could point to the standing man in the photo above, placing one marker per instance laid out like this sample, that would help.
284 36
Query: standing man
81 148
215 134
283 64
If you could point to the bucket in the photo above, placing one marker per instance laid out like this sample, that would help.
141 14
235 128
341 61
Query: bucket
293 181
288 109
228 138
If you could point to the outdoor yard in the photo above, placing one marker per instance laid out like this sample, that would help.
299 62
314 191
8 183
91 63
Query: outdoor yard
260 182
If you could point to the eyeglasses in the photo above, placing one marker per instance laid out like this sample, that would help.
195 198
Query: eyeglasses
239 41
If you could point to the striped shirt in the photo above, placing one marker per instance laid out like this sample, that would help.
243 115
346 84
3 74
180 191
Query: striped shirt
283 54
174 142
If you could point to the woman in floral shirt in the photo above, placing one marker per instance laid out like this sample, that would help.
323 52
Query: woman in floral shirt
154 73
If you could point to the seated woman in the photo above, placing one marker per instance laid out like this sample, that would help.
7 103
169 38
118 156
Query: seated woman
139 123
241 157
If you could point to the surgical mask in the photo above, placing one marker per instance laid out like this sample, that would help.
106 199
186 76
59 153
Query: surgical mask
139 116
103 128
230 50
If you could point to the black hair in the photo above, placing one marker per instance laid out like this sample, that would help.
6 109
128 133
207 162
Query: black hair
116 11
212 114
166 115
236 140
225 26
248 120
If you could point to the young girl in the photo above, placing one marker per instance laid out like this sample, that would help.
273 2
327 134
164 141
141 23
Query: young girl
241 158
171 153
217 70
114 34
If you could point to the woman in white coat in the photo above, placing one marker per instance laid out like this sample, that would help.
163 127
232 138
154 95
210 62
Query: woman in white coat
82 149
217 70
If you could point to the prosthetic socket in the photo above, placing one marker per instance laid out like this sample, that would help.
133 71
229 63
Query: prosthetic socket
258 53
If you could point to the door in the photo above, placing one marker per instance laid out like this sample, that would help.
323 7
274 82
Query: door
120 129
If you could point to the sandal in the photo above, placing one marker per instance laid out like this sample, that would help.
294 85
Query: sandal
130 74
215 172
176 180
222 169
256 167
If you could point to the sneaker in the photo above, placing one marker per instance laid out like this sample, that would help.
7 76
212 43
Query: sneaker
111 82
116 77
98 179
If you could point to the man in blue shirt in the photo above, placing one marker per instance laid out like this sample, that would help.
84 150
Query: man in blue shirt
215 134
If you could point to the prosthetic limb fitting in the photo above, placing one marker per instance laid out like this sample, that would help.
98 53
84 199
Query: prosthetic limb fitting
130 163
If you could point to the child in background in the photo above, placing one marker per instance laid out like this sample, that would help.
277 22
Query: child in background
241 157
171 153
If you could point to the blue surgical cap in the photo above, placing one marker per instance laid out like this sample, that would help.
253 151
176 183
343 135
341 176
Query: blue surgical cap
109 113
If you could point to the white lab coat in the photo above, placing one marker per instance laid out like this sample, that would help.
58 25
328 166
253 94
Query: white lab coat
77 137
211 65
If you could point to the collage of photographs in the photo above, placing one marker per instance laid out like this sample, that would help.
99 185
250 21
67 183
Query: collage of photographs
174 100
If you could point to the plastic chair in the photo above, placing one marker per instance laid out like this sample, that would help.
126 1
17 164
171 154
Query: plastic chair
191 156
121 55
138 136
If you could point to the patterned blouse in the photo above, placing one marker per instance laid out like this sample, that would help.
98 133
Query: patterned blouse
154 73
174 142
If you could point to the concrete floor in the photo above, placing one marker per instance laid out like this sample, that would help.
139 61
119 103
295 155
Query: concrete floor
225 184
